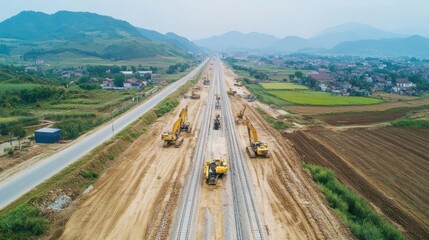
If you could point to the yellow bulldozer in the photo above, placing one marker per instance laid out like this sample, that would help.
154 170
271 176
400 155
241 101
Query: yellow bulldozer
173 137
238 84
231 92
214 169
257 148
195 95
240 115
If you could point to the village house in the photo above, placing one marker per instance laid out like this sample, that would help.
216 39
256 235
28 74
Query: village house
108 83
134 83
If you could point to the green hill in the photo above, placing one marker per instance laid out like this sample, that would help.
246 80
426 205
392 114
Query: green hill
34 35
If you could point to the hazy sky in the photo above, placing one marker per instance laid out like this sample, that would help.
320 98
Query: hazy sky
196 19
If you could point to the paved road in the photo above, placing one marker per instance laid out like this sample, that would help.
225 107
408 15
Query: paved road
22 182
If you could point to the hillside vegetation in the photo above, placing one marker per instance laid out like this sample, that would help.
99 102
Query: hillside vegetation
34 35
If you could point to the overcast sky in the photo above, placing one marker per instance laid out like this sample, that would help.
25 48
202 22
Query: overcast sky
196 19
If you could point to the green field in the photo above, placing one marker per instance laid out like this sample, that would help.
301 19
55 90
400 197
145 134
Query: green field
321 98
283 86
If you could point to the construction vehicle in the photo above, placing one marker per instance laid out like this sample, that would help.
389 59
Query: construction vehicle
257 148
216 125
250 98
214 169
172 138
238 84
184 123
231 92
195 96
206 81
240 115
217 104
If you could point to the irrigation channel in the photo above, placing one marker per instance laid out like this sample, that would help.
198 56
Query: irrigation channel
246 218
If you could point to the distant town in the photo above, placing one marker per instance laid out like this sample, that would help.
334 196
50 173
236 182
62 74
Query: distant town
346 76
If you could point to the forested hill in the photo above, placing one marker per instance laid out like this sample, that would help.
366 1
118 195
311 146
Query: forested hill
35 34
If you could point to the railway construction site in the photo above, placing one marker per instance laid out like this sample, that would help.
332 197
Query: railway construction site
157 190
157 193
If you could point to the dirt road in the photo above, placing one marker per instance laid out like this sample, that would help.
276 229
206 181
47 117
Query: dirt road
136 199
388 166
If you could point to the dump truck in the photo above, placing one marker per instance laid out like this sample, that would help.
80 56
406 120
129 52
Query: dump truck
214 169
257 148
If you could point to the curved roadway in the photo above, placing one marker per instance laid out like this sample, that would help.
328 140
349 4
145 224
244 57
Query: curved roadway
22 182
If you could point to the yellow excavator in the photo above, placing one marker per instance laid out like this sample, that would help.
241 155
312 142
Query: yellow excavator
172 137
240 115
238 84
184 123
214 169
257 148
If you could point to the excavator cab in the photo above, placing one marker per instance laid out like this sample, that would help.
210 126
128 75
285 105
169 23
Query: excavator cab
172 137
214 169
184 124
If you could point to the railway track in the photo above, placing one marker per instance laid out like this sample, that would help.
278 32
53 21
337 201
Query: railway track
184 227
246 213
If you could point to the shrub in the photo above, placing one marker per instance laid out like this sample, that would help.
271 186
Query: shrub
89 174
166 106
22 222
363 221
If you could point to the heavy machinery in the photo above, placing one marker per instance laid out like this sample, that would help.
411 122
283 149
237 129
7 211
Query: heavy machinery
238 84
216 124
195 96
217 104
240 115
172 137
206 81
214 169
257 148
184 123
231 92
250 98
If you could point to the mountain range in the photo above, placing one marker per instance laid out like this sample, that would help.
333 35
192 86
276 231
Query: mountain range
347 39
35 34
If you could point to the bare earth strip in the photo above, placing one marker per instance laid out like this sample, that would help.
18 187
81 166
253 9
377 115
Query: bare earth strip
292 206
137 198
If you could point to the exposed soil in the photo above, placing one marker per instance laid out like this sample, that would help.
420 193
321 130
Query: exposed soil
360 118
387 166
292 207
137 198
376 107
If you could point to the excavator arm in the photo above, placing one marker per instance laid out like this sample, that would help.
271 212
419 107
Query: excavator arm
253 135
176 126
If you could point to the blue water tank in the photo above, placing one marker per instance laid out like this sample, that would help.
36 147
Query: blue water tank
47 135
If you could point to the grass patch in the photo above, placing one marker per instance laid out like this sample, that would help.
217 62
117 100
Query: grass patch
413 120
277 124
22 222
264 97
321 98
283 86
362 220
73 115
83 101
